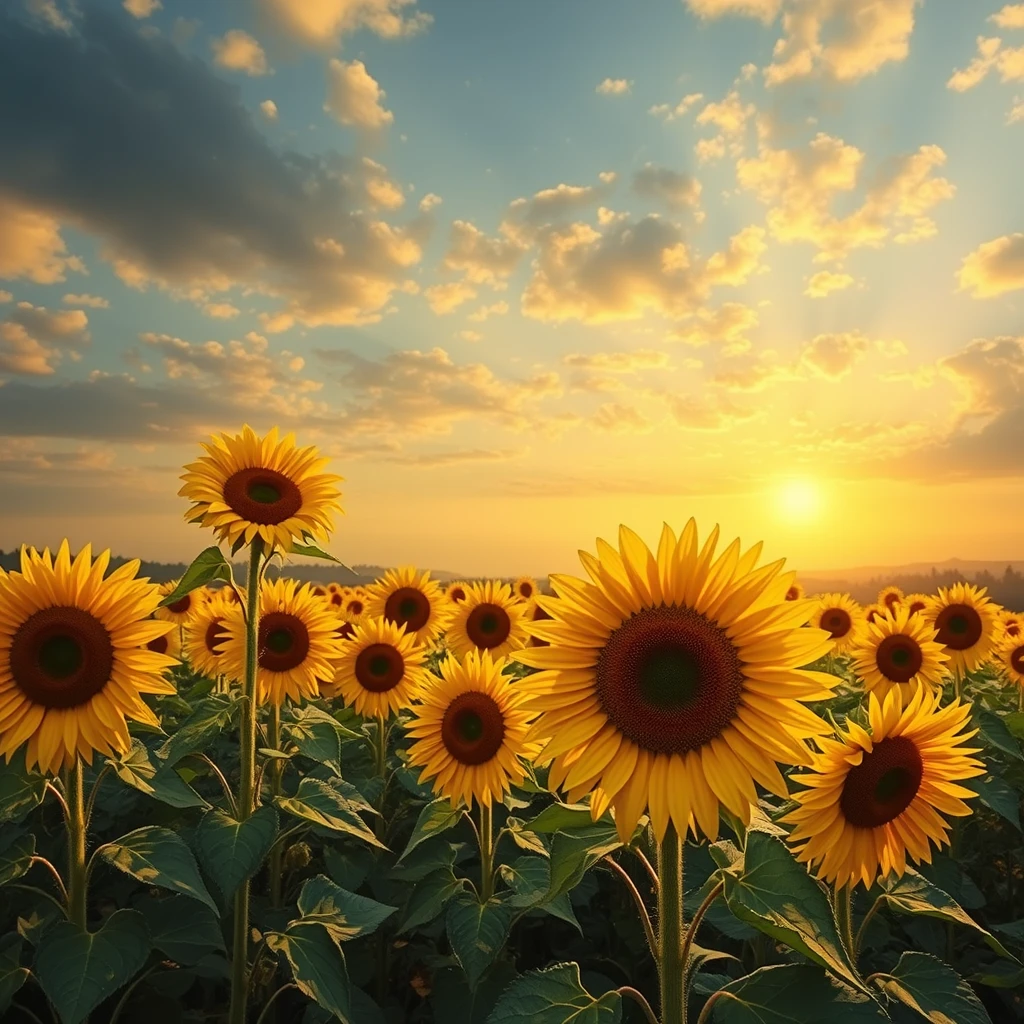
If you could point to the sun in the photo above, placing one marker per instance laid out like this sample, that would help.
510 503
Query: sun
798 500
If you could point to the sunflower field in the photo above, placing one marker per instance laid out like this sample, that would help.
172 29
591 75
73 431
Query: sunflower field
676 789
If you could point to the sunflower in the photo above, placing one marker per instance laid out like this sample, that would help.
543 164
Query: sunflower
876 799
889 597
333 587
456 591
470 730
842 617
534 613
184 608
898 652
490 619
73 656
318 590
795 591
874 611
352 607
672 682
297 643
965 621
381 670
1011 658
525 588
411 600
916 602
1009 625
204 635
247 487
169 643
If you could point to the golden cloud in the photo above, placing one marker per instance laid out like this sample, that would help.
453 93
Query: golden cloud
994 268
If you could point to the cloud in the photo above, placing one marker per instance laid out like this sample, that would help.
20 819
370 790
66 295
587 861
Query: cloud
429 201
141 8
321 24
728 325
34 340
525 215
5 296
711 413
484 260
673 188
436 460
991 57
380 189
471 336
833 356
825 282
482 313
354 97
1016 112
31 244
239 51
729 116
669 113
614 87
1011 16
800 186
617 418
268 108
221 310
766 10
994 268
286 225
598 372
93 301
446 298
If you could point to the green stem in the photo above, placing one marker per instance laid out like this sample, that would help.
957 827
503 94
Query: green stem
844 916
486 853
276 854
645 918
1020 698
56 874
956 684
380 750
671 968
74 788
91 804
266 1006
862 930
247 782
691 932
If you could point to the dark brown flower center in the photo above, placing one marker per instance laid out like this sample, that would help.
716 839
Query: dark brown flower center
457 593
159 645
379 668
319 591
473 728
526 589
669 679
180 606
488 626
899 658
346 631
214 635
1017 660
61 657
959 627
916 606
793 594
872 614
354 607
837 621
883 785
283 642
891 600
409 608
262 496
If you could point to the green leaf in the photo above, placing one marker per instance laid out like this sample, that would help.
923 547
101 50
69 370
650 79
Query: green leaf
1001 975
561 818
437 816
793 994
160 857
452 999
433 855
210 717
994 732
78 970
524 838
350 864
312 551
16 851
429 897
925 984
530 879
20 789
572 856
477 932
914 894
232 851
554 995
318 966
996 794
180 930
207 566
1015 723
136 770
777 896
344 914
12 974
318 736
333 805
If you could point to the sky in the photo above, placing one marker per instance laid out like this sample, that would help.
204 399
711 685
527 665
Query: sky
525 271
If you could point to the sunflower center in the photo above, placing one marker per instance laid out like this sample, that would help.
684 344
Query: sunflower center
916 606
1017 660
837 621
61 657
884 784
669 679
457 594
959 627
525 590
262 496
214 635
488 626
891 600
283 642
473 728
180 606
159 645
355 607
899 658
379 668
1013 629
792 594
408 607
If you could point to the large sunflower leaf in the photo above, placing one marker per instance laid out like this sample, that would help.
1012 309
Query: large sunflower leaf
572 856
209 565
561 818
232 851
530 879
210 717
429 897
792 994
333 805
346 915
935 991
160 857
997 795
993 732
775 894
453 1000
20 789
555 995
318 736
318 965
16 850
12 974
436 817
136 770
477 931
314 551
78 970
914 894
181 930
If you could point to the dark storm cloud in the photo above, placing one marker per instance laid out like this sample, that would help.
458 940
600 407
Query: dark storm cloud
127 137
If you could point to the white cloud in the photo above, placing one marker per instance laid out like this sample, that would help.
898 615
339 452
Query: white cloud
268 108
239 51
321 24
446 298
33 340
31 245
994 268
1011 16
142 8
669 113
766 10
991 57
94 301
673 188
614 87
429 201
484 260
485 312
354 97
825 282
221 310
